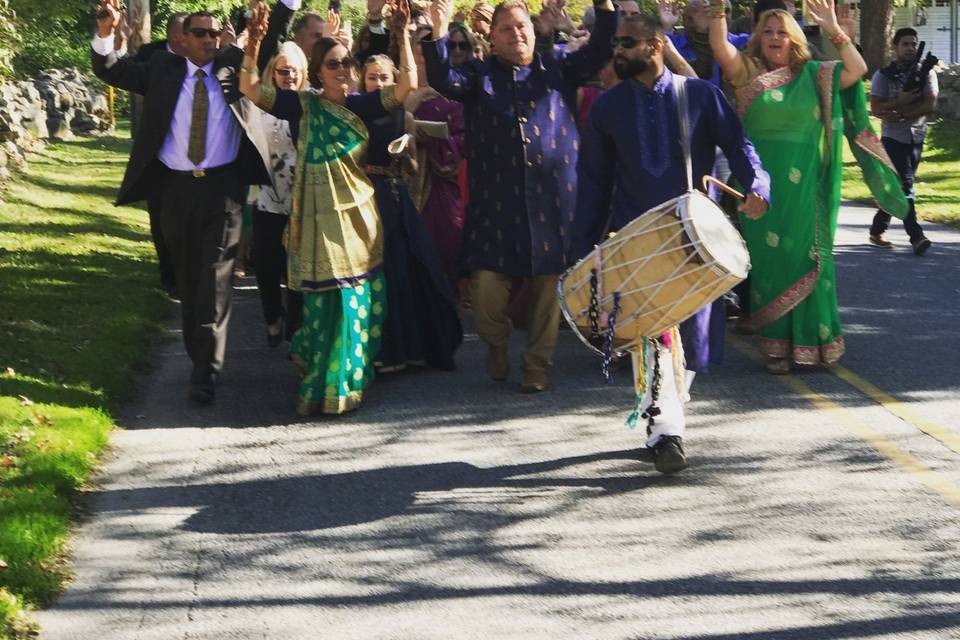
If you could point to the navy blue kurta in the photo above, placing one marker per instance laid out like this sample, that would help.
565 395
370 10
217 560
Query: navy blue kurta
632 161
522 145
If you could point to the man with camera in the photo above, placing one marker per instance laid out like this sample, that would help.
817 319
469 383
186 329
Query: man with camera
903 94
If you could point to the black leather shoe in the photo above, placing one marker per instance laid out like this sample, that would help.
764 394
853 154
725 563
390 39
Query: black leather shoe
202 392
274 339
668 455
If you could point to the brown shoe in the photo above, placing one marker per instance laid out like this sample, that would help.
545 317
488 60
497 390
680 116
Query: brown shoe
534 381
498 364
877 240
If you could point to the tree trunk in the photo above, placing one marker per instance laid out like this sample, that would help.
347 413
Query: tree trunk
139 20
876 31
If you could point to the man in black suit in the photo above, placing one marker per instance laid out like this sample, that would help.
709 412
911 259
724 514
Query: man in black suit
197 147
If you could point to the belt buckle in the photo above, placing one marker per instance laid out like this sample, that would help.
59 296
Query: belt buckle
198 173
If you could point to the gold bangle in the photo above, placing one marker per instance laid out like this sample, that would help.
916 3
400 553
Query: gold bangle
251 70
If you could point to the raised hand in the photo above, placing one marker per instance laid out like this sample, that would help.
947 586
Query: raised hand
122 35
440 12
375 8
229 35
108 17
669 14
399 16
550 16
847 22
823 13
332 26
257 23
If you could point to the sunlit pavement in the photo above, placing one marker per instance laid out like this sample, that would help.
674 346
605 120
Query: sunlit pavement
818 505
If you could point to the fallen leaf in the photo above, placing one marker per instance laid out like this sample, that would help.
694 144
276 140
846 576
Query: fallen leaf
25 401
8 461
40 419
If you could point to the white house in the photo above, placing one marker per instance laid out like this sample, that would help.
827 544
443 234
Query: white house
936 22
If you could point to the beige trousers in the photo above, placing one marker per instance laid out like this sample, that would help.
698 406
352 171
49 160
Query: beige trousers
490 294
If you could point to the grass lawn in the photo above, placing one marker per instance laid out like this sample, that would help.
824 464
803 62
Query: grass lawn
79 309
938 178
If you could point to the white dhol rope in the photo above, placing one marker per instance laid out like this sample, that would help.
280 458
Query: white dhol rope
616 243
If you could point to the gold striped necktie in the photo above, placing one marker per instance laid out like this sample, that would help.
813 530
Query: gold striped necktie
196 150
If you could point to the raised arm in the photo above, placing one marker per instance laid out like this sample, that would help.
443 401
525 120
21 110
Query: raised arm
379 41
583 64
455 83
281 17
124 73
674 61
399 24
823 13
725 54
250 85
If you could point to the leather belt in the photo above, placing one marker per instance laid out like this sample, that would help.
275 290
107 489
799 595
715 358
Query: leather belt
381 171
201 173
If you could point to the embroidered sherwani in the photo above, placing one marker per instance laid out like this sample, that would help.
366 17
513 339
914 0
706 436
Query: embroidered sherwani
522 146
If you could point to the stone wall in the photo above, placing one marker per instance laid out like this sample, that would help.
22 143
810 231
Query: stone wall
56 105
948 105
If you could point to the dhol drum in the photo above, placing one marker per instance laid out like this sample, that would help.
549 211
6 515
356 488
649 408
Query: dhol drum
654 273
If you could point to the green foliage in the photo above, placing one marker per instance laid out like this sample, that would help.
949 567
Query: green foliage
80 313
10 40
15 623
51 48
938 179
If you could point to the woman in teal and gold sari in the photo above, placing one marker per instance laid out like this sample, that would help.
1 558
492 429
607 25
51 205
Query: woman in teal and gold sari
335 236
795 111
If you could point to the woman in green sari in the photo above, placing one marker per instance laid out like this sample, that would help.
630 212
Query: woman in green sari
795 111
335 236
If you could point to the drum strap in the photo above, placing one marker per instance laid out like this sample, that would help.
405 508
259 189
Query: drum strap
683 118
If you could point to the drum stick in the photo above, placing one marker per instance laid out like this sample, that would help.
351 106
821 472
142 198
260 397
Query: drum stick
720 185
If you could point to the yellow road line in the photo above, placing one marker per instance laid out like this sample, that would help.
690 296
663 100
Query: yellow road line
900 409
937 482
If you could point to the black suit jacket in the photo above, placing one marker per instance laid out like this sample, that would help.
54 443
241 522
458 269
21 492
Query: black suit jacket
159 80
145 52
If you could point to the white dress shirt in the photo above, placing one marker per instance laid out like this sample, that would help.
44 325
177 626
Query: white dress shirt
223 130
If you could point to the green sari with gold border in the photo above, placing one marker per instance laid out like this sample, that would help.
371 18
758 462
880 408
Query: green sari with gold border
796 120
334 249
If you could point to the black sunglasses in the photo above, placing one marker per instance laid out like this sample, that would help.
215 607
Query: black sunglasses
198 32
627 42
462 45
288 72
346 63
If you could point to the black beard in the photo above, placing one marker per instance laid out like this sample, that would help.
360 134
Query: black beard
629 68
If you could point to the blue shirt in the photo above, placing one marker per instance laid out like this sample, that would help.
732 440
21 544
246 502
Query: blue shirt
680 41
631 159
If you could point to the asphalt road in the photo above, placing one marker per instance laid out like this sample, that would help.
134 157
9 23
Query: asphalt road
818 505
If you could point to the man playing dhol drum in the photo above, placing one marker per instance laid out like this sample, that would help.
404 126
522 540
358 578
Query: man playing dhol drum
631 160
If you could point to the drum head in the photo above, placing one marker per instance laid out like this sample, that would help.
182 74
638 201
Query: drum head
717 236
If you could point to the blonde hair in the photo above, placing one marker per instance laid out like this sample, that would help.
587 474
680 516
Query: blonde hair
799 49
294 56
